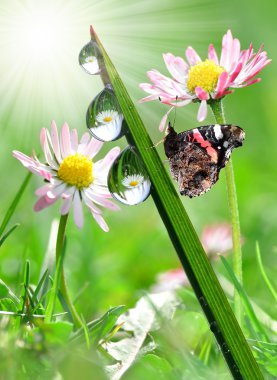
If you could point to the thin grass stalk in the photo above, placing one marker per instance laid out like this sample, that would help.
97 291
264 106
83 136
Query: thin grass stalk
206 286
218 111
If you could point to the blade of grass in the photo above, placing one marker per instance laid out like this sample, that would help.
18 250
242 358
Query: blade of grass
39 286
247 304
55 288
26 285
210 295
7 234
263 273
14 203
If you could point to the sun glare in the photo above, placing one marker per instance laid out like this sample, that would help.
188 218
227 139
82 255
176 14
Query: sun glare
40 33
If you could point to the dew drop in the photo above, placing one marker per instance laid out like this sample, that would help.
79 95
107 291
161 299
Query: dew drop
214 327
203 301
88 58
225 348
104 118
128 180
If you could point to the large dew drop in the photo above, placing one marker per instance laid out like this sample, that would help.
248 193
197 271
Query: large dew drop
128 180
104 118
88 58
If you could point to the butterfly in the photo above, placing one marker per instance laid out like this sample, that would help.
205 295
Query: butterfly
196 156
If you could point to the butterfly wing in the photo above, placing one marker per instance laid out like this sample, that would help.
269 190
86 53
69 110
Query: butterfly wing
196 156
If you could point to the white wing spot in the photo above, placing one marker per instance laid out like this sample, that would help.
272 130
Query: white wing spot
217 132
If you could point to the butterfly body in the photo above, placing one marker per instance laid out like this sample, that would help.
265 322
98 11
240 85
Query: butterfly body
196 156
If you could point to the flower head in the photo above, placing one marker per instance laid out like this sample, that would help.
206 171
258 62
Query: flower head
108 124
217 239
203 81
136 189
91 65
71 174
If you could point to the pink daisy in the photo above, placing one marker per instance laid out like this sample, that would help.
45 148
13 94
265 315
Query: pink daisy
71 174
203 81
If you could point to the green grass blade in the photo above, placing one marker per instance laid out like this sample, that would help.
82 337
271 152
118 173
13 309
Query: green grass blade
39 286
206 286
14 203
247 304
263 273
7 234
54 290
26 286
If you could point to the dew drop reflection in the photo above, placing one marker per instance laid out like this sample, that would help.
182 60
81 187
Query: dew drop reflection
104 118
88 58
128 180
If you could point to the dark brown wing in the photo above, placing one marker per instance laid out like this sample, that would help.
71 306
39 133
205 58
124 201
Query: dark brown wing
193 169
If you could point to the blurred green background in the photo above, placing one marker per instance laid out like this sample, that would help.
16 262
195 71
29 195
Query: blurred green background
42 81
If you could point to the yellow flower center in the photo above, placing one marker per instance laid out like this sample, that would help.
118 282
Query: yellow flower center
107 119
205 75
133 183
76 170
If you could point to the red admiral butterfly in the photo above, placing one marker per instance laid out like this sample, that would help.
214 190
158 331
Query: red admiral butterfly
197 156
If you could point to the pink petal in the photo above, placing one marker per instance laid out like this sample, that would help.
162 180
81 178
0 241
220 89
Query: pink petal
106 162
56 191
44 202
202 112
201 94
192 57
212 54
65 141
33 166
227 43
74 141
55 141
222 84
164 120
66 206
78 210
235 73
89 203
47 150
176 66
85 139
104 202
99 219
93 147
41 191
148 98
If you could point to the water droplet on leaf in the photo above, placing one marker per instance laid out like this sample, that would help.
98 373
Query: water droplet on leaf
128 180
88 58
104 117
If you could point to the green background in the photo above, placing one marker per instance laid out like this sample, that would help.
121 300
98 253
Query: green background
116 266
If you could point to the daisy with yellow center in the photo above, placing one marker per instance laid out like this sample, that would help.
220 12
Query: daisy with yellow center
108 125
208 80
71 173
137 189
91 65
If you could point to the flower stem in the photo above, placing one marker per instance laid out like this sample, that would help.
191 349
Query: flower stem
63 287
217 108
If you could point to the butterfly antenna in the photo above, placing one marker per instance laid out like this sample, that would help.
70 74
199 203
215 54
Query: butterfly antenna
155 145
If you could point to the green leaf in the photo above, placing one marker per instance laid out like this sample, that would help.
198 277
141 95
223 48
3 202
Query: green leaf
56 332
99 328
7 304
182 234
14 203
145 317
